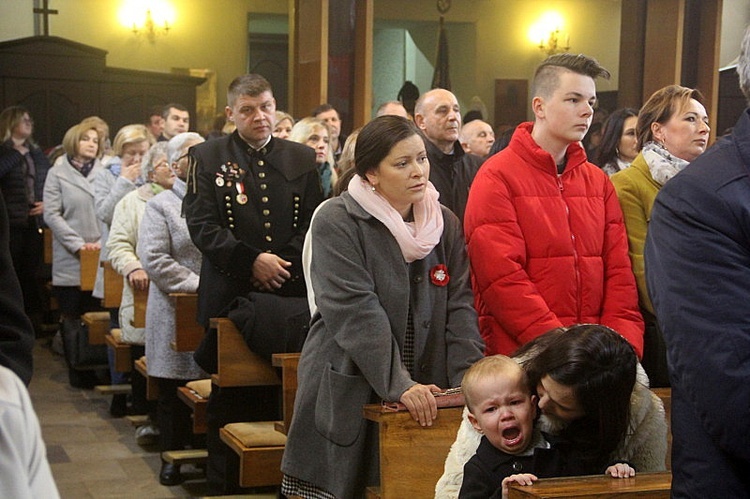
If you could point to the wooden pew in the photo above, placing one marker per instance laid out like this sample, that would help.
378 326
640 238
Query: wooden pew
89 263
288 363
188 332
140 300
237 364
152 386
665 394
123 358
260 448
643 485
195 395
47 235
113 285
412 457
98 326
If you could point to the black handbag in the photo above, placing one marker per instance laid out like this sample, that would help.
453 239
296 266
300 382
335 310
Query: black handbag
79 354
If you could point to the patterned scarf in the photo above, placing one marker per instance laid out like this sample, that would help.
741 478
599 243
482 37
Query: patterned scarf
84 168
662 165
416 239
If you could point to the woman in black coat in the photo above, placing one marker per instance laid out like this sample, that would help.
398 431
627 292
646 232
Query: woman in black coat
23 169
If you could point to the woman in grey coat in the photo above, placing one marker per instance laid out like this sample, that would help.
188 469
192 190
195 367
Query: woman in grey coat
173 265
395 318
69 213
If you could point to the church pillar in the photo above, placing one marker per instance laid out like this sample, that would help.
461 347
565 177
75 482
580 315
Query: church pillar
332 57
665 42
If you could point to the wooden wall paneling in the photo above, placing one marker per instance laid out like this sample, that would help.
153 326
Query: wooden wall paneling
708 55
363 63
632 53
665 20
310 67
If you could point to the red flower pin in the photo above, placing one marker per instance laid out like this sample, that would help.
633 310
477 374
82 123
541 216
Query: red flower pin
439 275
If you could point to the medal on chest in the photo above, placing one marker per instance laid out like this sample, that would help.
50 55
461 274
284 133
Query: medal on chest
241 196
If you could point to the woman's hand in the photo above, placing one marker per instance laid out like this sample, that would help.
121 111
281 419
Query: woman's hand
91 246
520 479
620 470
420 401
131 170
138 279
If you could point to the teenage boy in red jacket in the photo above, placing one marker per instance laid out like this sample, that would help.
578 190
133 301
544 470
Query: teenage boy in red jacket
543 226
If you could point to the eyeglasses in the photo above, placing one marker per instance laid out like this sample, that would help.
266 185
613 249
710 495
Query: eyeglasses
28 121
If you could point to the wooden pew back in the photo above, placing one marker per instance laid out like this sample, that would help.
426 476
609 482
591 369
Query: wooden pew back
188 332
112 287
89 263
140 300
288 363
650 485
237 364
412 457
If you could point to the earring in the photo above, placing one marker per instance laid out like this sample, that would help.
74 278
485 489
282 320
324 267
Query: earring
372 187
617 151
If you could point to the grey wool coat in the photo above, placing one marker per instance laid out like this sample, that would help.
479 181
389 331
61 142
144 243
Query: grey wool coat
352 355
173 265
69 213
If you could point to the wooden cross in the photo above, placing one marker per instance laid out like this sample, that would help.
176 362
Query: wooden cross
45 11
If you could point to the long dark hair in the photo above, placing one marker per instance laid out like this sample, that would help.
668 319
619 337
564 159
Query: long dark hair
607 150
600 366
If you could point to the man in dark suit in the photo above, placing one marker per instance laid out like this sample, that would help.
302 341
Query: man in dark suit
248 205
16 333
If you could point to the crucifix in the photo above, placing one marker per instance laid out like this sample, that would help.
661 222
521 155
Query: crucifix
45 11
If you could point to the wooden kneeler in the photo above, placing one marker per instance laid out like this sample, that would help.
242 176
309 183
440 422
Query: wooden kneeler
260 448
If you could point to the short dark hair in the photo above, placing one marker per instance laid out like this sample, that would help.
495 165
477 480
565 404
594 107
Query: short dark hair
377 138
171 105
600 366
547 75
323 108
611 133
250 84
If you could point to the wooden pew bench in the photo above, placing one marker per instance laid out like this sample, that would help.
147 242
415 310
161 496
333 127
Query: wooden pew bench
195 395
288 363
188 332
98 326
123 358
113 285
665 394
260 448
643 485
89 263
412 457
258 444
237 364
152 386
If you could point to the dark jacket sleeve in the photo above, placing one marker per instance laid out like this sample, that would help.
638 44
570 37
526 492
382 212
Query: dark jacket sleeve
16 333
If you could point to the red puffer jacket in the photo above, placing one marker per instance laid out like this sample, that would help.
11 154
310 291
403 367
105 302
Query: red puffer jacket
547 250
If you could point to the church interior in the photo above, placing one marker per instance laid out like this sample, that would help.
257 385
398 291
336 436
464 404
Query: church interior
117 59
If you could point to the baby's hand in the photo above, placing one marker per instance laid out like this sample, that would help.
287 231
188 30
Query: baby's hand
520 479
620 470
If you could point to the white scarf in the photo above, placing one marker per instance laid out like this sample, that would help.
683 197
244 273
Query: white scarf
416 239
662 165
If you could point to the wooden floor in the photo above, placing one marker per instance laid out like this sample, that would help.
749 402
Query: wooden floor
93 455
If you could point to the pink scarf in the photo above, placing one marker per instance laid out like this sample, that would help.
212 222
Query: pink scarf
416 239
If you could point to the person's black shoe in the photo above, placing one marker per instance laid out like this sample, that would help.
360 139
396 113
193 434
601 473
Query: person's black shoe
119 406
170 474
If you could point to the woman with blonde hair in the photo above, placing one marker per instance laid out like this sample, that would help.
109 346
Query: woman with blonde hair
283 126
69 212
672 131
316 134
